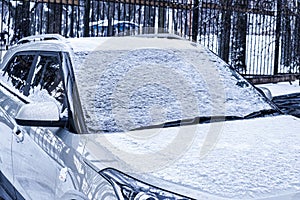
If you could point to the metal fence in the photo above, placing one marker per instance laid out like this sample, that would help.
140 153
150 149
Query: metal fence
257 37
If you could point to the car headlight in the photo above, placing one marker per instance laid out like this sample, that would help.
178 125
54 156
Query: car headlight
127 187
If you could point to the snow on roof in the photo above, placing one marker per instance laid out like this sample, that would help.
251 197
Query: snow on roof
42 37
128 43
86 43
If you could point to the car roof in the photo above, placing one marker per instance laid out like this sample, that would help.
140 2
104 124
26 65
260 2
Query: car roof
104 43
51 45
41 37
163 41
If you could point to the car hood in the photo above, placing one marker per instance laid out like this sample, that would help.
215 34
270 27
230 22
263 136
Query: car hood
243 159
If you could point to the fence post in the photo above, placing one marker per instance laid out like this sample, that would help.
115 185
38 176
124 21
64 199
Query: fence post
161 18
110 22
224 35
22 19
86 18
277 37
72 20
286 28
239 46
296 52
54 19
195 25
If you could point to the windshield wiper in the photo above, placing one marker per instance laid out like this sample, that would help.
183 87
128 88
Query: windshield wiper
211 119
263 113
184 122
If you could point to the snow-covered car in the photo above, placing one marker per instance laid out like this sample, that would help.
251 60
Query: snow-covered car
139 118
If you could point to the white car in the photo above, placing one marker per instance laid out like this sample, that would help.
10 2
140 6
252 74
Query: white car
139 118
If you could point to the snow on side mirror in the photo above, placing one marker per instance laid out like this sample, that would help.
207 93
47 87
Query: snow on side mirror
266 92
40 114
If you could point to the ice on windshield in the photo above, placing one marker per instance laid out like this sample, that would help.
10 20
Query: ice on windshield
126 89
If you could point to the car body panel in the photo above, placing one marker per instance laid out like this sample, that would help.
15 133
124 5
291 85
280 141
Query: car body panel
28 158
6 130
35 162
28 161
45 161
5 156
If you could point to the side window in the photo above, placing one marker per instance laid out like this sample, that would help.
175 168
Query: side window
47 78
37 75
17 71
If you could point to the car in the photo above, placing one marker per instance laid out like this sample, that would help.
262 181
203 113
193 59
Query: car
101 27
143 117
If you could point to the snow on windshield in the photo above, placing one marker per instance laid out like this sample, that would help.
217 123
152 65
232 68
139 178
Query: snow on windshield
126 89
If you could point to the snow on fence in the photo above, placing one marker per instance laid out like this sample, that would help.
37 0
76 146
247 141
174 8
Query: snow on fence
257 37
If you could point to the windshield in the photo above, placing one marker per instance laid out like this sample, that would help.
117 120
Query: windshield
129 83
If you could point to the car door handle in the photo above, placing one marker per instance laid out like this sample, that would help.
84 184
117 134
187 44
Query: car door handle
19 134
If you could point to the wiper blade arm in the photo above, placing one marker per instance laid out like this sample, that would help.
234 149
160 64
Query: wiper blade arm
210 119
262 113
196 120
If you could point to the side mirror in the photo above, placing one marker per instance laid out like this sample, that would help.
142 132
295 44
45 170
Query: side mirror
266 92
40 114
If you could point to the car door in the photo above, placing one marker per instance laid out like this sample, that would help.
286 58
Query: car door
5 142
6 127
34 170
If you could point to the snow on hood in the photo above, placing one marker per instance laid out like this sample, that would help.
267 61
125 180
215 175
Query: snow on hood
252 159
127 83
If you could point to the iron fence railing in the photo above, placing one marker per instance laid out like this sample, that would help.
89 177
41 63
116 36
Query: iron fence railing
257 37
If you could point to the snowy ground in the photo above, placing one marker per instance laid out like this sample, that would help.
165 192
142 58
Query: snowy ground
286 96
283 88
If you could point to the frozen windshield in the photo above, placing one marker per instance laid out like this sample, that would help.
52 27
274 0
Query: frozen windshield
129 83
